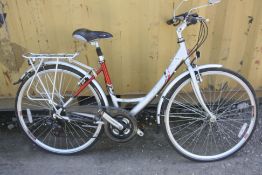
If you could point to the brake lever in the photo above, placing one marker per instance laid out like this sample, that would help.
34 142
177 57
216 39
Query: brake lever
203 19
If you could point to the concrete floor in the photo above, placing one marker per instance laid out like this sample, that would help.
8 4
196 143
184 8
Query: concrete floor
149 155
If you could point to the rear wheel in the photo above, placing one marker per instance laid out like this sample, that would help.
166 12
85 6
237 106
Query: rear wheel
70 134
190 129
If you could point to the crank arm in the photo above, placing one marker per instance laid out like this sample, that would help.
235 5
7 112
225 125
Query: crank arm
111 120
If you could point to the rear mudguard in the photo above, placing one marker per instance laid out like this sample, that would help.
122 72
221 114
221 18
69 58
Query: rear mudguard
172 84
99 88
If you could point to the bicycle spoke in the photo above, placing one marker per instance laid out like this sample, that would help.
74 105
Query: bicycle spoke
189 108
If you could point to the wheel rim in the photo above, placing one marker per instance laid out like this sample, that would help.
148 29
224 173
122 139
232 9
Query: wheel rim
200 123
59 136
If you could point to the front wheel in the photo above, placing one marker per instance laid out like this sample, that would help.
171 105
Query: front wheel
190 129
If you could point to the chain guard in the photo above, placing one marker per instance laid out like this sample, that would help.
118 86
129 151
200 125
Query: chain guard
129 122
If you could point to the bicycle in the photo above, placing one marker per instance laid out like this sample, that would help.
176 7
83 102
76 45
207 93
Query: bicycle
208 112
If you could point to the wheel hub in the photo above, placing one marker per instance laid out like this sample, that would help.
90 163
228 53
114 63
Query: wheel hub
213 119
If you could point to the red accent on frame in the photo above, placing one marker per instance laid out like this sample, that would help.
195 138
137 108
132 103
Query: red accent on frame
103 69
106 74
82 87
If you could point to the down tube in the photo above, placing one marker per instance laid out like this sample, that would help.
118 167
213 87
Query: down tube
160 84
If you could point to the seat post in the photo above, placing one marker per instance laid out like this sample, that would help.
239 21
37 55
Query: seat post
98 51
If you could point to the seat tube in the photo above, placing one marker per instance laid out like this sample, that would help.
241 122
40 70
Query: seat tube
103 64
99 52
107 78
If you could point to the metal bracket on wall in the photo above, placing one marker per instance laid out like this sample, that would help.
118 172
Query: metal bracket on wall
2 18
2 15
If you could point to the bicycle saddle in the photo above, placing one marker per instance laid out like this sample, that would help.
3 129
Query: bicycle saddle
89 36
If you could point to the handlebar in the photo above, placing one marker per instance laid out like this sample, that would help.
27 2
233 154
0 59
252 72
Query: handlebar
177 19
191 19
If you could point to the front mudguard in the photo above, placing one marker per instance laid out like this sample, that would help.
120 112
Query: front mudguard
173 83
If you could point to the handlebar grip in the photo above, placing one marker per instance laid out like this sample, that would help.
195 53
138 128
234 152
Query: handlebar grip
170 22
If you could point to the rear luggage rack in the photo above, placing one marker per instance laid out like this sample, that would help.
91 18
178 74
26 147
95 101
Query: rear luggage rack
50 56
36 61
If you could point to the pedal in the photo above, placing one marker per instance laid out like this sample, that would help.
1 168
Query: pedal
140 133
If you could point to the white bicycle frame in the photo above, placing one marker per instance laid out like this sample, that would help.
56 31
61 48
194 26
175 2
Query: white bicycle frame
180 56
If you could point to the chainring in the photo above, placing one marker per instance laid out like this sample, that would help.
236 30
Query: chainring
128 121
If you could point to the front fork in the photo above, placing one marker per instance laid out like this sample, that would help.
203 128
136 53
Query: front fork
196 89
